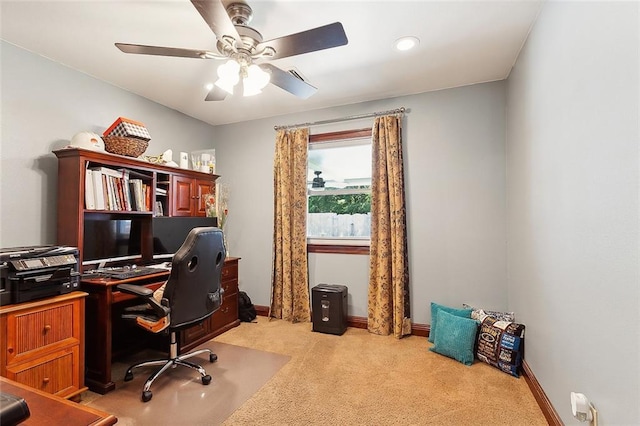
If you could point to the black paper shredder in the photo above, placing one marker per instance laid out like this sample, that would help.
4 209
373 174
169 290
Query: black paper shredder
329 308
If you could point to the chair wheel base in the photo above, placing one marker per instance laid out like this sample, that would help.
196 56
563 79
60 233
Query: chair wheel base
146 396
206 379
213 357
128 376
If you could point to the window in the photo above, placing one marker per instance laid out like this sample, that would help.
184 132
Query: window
339 192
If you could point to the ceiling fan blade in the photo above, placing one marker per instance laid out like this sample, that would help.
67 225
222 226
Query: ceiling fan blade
216 94
325 37
288 82
166 51
215 15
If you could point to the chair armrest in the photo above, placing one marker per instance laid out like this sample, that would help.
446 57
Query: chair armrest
136 290
147 294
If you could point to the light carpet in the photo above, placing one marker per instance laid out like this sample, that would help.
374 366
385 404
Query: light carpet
363 379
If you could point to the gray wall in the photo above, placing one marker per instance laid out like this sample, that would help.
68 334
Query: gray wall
572 174
455 178
43 105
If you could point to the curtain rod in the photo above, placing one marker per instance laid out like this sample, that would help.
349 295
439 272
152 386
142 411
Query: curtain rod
400 110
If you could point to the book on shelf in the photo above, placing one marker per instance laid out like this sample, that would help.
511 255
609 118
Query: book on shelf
126 194
119 191
137 194
98 191
105 194
135 205
89 195
106 176
148 205
110 195
118 185
161 191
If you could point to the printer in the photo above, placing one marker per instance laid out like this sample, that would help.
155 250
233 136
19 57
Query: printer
29 273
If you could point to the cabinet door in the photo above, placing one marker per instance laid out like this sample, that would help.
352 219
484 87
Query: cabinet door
203 187
181 196
195 333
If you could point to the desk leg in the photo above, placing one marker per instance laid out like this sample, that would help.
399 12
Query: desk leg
98 342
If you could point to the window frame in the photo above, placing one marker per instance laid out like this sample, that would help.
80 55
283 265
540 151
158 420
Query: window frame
332 245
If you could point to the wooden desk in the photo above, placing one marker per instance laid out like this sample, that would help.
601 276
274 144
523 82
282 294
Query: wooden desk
99 314
105 331
47 409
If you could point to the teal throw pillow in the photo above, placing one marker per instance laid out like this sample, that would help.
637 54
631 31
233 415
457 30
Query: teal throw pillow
456 337
465 313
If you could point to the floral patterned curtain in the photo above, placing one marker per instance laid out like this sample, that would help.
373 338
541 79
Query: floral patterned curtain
290 280
388 302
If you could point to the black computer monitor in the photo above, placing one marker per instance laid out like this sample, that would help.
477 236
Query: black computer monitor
170 232
109 240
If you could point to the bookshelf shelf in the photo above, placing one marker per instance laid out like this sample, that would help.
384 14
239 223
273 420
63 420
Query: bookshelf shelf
118 212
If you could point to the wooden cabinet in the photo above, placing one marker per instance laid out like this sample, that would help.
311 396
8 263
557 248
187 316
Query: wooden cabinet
43 344
179 191
187 195
225 318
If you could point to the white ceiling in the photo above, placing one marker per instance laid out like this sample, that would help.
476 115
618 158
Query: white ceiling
461 43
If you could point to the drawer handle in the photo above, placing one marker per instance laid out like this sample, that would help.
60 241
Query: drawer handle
225 310
10 350
47 328
45 380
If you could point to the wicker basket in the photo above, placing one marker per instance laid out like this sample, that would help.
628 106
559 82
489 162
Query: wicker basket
131 147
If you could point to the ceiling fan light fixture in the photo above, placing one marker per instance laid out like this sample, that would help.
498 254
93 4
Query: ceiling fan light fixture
255 80
406 43
229 76
229 71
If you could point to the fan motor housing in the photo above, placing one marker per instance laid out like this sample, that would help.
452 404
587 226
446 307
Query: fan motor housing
240 13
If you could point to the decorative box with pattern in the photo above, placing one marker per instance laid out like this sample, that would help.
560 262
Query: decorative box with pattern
128 128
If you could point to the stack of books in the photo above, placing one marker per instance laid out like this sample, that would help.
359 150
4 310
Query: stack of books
115 190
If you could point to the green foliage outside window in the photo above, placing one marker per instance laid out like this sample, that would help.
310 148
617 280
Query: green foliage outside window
340 204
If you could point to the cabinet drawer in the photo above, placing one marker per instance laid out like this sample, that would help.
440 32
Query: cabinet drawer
56 373
229 287
41 330
227 313
229 271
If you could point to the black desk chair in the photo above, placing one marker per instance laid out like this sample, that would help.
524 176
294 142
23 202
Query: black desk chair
191 294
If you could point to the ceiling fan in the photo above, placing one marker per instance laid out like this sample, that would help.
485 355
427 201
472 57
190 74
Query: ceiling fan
246 53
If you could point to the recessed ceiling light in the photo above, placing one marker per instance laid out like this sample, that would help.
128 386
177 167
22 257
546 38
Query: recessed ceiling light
208 86
407 43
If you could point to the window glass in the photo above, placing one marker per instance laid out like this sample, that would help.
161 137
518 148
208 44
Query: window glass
339 191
